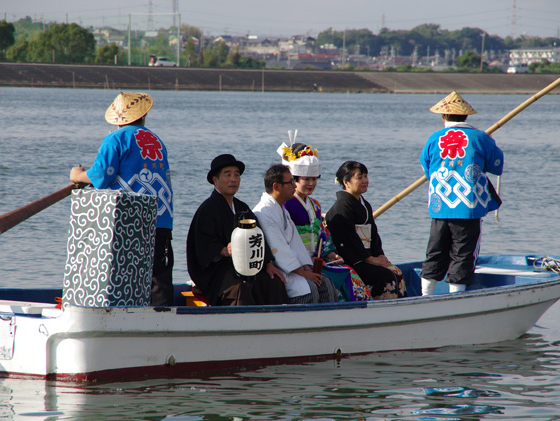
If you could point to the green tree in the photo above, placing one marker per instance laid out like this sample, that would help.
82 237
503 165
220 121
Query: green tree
222 51
215 55
6 36
533 42
106 54
329 36
28 29
189 54
470 61
426 39
191 31
235 60
62 44
363 38
160 46
544 66
210 57
467 39
398 40
18 52
427 31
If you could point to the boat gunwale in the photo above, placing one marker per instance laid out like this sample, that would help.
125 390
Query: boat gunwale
341 305
366 324
286 308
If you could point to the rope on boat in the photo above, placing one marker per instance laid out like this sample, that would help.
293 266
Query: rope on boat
547 263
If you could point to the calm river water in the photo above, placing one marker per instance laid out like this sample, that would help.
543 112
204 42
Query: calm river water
47 131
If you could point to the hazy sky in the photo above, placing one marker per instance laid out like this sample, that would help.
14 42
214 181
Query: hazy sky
291 17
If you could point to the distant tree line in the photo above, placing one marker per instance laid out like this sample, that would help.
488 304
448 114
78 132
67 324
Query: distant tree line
426 39
63 43
28 41
465 45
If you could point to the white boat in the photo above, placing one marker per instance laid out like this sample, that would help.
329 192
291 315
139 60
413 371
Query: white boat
506 298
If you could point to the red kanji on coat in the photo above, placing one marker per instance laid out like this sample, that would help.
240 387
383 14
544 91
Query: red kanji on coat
453 144
149 144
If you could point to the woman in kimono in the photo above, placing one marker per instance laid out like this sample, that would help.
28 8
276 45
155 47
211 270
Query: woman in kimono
306 214
355 235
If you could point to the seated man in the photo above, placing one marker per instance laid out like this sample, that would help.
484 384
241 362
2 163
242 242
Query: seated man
290 255
209 245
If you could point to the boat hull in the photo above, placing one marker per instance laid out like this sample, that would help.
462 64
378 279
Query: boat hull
88 344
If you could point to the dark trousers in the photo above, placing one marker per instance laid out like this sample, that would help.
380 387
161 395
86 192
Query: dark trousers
453 247
258 290
162 276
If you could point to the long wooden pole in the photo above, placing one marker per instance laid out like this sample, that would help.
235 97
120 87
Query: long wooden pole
11 219
490 130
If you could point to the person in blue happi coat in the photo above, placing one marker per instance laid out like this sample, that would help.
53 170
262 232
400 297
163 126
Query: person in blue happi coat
456 160
134 158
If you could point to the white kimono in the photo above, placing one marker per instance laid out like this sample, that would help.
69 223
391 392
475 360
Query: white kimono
282 237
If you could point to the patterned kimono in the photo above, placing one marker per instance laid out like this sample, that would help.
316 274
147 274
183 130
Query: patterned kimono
308 220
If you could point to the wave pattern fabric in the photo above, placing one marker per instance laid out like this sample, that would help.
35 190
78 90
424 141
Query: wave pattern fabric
110 249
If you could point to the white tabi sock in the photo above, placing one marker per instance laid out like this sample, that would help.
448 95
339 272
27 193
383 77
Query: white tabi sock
428 286
456 288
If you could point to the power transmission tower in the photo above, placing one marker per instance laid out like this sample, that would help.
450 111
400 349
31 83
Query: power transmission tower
150 16
514 19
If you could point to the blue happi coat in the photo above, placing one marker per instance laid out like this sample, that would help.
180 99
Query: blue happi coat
455 161
133 158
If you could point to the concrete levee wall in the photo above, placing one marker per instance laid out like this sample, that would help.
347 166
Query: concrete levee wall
148 78
168 78
471 83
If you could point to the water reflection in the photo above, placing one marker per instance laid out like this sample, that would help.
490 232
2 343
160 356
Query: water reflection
386 132
509 380
518 379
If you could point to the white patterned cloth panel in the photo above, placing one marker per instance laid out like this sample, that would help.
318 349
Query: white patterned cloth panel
110 249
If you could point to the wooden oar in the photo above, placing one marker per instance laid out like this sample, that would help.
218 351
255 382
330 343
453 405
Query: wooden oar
11 219
490 130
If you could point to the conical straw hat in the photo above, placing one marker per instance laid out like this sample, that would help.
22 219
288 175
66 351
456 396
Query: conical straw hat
128 107
453 104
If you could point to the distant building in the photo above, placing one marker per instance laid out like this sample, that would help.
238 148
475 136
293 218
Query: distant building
106 35
314 64
311 61
254 47
100 39
173 41
227 39
151 34
117 39
187 38
534 55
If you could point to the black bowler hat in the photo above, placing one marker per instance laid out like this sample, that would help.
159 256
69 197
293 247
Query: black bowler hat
222 161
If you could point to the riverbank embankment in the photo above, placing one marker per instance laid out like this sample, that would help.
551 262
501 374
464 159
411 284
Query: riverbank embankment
166 78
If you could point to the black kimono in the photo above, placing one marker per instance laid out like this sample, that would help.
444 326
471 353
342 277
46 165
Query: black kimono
209 233
341 219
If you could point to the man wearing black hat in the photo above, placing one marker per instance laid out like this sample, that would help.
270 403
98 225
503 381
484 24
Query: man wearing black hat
209 245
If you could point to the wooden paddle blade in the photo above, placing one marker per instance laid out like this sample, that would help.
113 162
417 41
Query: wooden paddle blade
11 219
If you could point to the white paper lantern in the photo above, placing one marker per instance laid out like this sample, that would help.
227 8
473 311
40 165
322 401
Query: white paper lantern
247 248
